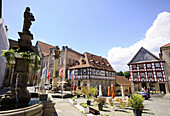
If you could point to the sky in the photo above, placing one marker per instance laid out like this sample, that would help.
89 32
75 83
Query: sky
114 29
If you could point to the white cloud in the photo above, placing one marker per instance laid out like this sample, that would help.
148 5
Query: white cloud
156 36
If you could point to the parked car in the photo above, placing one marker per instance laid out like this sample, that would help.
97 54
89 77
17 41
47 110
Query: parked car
144 95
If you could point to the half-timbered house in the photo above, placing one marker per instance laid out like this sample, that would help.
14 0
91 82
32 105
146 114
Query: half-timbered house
147 71
91 71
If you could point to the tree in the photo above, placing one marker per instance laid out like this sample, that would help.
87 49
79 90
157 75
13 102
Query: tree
127 74
120 73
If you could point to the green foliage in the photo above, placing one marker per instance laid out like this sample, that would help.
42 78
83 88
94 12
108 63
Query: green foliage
73 98
100 101
95 91
8 54
127 74
83 105
84 90
136 102
104 115
29 55
92 91
120 73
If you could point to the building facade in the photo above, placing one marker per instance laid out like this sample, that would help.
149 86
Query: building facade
91 71
4 45
165 55
147 71
67 59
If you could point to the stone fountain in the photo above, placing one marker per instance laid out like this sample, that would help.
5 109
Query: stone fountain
20 96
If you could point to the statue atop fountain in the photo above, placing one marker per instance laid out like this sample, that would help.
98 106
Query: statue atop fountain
28 17
20 96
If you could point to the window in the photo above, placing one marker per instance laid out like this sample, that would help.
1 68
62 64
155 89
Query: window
59 61
135 75
69 60
83 62
159 74
77 63
62 61
150 75
85 83
97 72
79 71
134 67
106 73
142 75
141 66
149 66
92 71
84 71
157 65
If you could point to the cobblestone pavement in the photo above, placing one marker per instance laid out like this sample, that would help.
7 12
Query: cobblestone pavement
157 106
64 108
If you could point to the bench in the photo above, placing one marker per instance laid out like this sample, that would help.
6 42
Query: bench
94 111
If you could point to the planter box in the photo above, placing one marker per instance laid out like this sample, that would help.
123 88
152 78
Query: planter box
85 110
73 102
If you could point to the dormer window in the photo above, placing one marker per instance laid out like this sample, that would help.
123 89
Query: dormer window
83 62
91 60
83 56
102 59
77 63
97 63
91 56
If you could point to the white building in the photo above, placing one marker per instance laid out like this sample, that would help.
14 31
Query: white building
4 45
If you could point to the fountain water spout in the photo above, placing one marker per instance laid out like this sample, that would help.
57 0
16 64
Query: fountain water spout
16 85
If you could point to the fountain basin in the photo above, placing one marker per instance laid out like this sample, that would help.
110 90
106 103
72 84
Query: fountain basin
34 110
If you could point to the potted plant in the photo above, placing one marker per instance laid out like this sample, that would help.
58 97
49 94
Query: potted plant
89 93
84 91
84 108
100 103
73 101
88 99
136 102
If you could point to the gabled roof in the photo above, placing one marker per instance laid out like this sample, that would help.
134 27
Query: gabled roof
45 48
166 45
121 80
93 61
144 55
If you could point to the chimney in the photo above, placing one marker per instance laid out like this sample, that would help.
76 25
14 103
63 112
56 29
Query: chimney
63 48
6 28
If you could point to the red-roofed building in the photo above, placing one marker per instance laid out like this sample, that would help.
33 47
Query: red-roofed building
91 71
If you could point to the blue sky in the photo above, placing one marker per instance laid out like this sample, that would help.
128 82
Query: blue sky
94 26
